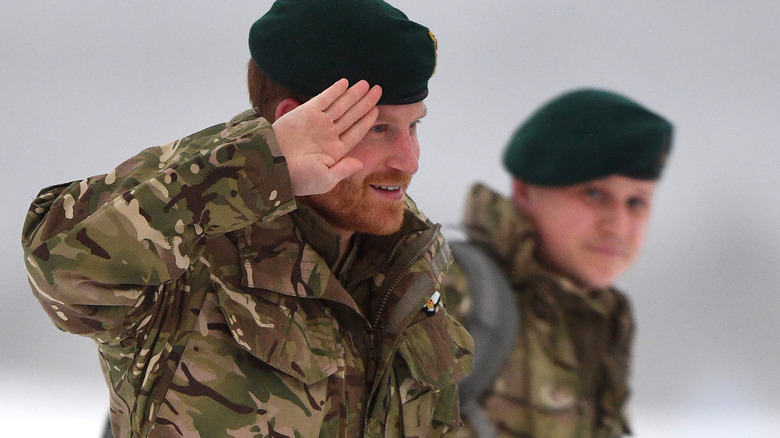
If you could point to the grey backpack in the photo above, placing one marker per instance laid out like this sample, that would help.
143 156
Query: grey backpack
493 324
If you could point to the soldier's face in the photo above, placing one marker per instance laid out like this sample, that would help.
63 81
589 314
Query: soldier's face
372 200
592 231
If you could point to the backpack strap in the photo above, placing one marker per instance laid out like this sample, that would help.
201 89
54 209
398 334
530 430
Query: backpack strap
492 323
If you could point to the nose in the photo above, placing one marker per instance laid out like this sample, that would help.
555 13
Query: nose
405 153
615 220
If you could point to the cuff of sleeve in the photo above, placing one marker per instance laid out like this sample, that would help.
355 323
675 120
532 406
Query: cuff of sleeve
267 168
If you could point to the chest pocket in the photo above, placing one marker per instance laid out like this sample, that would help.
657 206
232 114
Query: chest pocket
255 364
277 329
437 352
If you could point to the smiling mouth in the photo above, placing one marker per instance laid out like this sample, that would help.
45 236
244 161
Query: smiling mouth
386 188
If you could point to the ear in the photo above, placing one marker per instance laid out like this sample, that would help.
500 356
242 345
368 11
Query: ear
521 194
285 107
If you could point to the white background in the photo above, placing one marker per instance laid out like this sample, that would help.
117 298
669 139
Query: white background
85 84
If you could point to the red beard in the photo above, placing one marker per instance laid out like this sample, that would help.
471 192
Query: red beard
353 206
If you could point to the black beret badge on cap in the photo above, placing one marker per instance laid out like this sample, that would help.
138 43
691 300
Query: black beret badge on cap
435 51
307 45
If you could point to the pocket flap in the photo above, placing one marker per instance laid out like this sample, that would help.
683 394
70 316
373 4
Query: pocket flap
278 331
437 350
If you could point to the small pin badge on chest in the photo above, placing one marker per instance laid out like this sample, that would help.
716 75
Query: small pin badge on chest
433 302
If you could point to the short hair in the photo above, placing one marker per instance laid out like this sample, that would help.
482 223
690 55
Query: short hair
265 94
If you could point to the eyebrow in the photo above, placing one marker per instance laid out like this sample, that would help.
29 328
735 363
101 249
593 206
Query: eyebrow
640 191
645 192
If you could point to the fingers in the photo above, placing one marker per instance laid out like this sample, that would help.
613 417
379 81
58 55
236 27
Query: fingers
352 135
325 99
348 97
358 110
359 102
346 100
345 105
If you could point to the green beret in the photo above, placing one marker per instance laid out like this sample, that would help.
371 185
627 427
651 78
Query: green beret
307 45
588 134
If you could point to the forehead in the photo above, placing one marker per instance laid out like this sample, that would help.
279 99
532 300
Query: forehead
401 113
622 184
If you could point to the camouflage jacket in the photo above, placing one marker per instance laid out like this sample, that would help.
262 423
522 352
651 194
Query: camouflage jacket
567 375
214 316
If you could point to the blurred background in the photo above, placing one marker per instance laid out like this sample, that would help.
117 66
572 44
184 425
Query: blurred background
87 84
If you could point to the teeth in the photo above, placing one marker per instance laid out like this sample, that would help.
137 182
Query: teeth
392 188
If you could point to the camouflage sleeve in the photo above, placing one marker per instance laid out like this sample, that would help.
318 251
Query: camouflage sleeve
103 241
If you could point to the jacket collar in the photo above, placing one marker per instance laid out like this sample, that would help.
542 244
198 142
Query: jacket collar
300 247
275 256
495 223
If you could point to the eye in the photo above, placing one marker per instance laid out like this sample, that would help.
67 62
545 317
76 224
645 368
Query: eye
594 194
637 203
379 128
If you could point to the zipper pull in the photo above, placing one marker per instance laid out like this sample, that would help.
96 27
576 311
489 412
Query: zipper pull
371 365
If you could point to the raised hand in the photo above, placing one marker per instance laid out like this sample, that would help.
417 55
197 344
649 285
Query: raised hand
316 136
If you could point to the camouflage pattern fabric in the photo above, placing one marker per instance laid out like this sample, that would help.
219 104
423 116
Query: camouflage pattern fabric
568 373
214 316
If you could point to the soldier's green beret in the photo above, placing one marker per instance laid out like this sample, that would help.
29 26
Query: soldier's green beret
307 45
588 134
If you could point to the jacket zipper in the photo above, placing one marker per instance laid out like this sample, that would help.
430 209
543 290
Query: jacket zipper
398 278
372 360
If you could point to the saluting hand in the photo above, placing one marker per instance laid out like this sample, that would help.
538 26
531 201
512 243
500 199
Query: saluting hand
316 136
